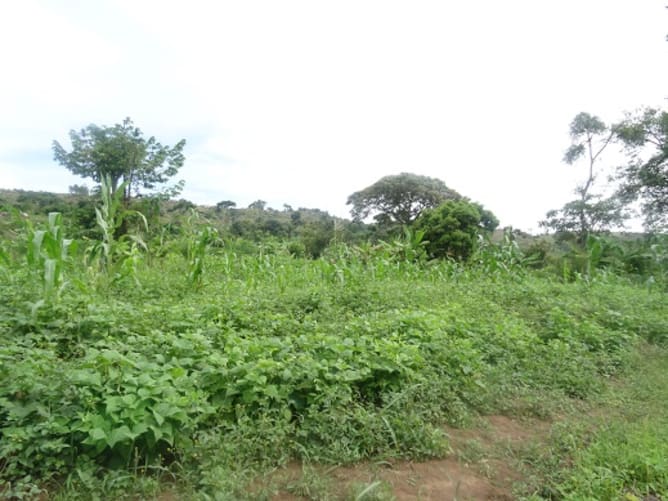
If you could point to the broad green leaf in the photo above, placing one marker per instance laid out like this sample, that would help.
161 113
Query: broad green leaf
114 404
158 418
129 400
140 428
271 391
95 436
157 432
121 434
50 273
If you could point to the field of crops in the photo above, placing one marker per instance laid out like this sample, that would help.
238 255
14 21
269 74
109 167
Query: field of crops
123 372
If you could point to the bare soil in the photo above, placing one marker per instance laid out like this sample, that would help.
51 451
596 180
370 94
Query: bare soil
476 469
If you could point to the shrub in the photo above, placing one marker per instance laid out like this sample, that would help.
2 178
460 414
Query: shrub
452 228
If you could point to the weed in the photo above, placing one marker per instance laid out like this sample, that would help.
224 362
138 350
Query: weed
377 490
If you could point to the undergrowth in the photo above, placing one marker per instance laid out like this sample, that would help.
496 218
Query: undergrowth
618 449
201 373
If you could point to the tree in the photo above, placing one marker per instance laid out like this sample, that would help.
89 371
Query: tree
647 179
122 153
452 228
316 235
258 205
488 221
599 214
79 190
225 204
590 136
399 199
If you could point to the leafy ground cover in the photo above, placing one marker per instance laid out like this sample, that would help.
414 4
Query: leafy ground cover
616 450
611 446
197 372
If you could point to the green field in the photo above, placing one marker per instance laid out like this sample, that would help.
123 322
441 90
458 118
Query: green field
194 369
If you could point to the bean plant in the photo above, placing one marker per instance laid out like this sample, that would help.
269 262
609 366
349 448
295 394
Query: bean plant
228 361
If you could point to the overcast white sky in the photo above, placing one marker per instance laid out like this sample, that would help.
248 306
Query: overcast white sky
305 102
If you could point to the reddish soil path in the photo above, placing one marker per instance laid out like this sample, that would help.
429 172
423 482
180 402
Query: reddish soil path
477 468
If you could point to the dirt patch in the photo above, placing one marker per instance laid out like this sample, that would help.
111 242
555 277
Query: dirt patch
513 430
434 480
286 496
476 468
167 496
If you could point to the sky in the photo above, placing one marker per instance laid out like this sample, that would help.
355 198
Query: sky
305 102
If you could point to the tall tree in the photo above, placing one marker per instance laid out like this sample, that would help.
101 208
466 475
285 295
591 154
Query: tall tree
225 204
590 212
122 153
399 199
645 134
258 205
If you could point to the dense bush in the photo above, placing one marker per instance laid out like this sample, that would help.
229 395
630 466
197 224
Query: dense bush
452 229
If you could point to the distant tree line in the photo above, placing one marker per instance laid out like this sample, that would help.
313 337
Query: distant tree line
450 224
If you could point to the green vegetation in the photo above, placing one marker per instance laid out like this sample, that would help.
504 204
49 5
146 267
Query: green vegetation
618 448
589 212
121 154
452 228
212 360
646 179
399 199
150 345
643 178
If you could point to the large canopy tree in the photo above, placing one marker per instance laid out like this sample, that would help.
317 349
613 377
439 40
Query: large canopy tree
399 199
646 178
122 153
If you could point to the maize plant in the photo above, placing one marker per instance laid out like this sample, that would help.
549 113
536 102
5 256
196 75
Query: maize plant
48 253
4 257
118 256
200 239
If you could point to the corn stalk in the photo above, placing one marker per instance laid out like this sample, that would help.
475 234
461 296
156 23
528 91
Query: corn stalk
118 255
48 253
200 238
